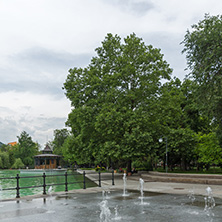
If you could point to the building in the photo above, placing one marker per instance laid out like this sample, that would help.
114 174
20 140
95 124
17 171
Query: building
47 160
12 143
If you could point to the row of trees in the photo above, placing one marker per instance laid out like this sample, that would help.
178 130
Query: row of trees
19 155
121 108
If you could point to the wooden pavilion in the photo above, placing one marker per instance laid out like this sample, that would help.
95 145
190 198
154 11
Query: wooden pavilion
47 160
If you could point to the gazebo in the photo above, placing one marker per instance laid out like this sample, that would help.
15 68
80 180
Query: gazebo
47 160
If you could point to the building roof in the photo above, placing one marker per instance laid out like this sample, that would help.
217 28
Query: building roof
12 143
47 155
47 148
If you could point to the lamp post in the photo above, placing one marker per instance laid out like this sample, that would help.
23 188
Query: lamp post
161 140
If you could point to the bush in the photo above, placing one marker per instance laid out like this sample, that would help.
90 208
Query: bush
100 168
18 164
142 165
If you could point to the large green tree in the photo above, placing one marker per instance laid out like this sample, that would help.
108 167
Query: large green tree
202 45
26 149
114 100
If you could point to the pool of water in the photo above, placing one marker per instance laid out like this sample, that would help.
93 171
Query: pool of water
78 207
35 181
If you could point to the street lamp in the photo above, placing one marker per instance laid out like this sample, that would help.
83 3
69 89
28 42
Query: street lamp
161 140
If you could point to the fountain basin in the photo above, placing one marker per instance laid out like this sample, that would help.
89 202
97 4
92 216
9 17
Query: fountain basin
87 207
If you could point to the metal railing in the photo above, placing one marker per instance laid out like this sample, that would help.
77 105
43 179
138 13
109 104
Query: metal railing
96 178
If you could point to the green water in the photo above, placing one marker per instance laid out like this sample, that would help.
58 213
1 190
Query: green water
35 181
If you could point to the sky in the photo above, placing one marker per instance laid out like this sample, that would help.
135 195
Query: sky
41 40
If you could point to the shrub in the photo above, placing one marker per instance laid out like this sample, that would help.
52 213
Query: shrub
18 164
100 168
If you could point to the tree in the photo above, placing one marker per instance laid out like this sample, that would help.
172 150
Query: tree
202 46
26 149
182 120
5 164
10 150
59 138
113 100
208 149
173 103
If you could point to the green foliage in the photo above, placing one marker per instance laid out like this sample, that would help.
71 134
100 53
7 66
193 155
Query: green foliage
18 164
121 109
182 120
114 101
4 160
1 163
142 164
208 149
98 168
26 149
202 46
59 139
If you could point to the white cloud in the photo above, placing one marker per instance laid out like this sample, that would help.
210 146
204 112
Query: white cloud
37 114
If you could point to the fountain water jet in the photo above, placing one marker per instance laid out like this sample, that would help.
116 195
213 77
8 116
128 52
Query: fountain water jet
124 185
141 190
105 214
117 217
209 202
191 196
105 194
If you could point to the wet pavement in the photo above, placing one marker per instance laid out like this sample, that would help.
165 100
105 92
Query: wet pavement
87 207
162 202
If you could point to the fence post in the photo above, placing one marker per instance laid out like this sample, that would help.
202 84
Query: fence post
17 187
84 180
66 182
44 185
113 178
99 178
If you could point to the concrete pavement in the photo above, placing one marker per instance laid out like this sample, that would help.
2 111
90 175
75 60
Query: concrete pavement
132 183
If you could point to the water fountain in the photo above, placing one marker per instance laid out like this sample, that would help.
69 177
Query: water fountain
105 195
50 191
94 206
141 190
124 185
105 214
117 217
209 202
191 196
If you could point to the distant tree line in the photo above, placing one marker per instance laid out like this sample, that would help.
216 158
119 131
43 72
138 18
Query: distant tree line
19 155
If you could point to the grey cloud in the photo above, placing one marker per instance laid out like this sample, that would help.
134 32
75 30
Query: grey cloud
8 130
4 109
47 123
40 70
40 128
170 46
41 58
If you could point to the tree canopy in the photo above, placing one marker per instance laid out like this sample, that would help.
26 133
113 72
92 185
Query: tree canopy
26 149
202 46
113 100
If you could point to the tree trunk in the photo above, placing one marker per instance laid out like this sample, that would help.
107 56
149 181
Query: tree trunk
129 166
183 164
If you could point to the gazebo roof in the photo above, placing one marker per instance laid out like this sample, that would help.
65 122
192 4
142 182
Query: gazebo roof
47 155
47 149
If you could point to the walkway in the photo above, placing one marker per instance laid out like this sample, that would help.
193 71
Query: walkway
166 183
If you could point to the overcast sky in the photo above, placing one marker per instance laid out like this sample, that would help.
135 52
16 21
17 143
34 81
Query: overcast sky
42 39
